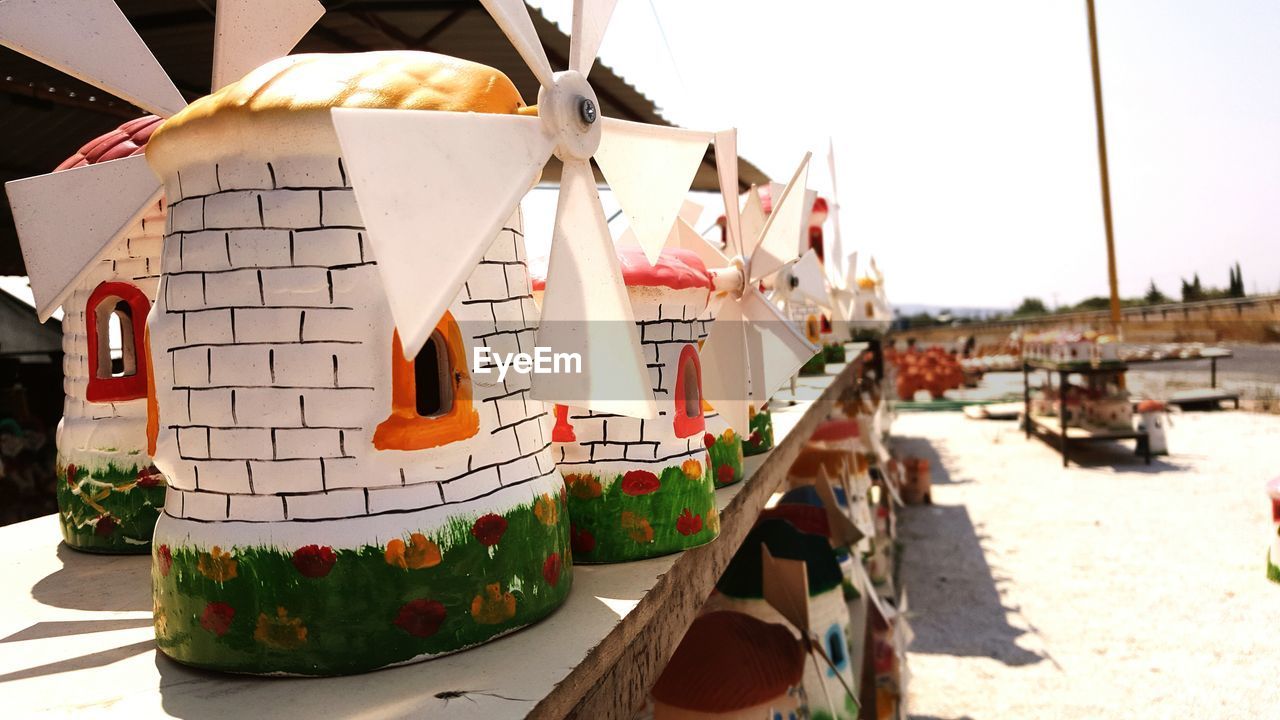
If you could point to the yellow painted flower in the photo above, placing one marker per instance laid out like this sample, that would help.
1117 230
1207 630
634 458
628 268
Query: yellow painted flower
545 509
217 565
493 606
713 519
583 486
281 631
728 435
692 469
420 553
637 527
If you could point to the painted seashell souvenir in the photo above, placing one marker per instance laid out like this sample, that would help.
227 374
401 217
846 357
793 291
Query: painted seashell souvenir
335 505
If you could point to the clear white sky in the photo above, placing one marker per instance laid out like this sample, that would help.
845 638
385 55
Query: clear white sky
964 131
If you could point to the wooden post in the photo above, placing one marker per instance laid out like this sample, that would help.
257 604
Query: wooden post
1102 168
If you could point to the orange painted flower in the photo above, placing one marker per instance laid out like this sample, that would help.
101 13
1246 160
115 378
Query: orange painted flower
728 435
692 469
545 510
216 565
637 527
640 482
493 606
420 553
281 632
583 486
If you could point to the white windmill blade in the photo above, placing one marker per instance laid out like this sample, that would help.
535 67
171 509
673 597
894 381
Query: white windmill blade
93 41
67 219
811 283
752 221
690 211
685 237
586 309
775 347
778 238
725 352
434 188
727 170
649 168
835 249
590 20
246 34
786 587
513 18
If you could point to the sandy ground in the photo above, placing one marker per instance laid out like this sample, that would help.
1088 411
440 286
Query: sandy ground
1113 590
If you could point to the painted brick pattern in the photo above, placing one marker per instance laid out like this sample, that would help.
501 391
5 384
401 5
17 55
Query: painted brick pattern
273 342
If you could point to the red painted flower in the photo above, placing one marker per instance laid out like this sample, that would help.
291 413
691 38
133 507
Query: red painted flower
217 618
164 559
149 476
708 439
106 525
582 541
688 523
489 529
640 482
724 474
71 475
551 569
421 618
314 561
755 438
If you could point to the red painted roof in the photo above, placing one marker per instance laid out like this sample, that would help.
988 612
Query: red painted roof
677 269
128 139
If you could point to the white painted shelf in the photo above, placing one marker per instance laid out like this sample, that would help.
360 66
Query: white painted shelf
76 637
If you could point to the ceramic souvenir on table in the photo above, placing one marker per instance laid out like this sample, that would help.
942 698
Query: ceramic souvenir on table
731 666
1152 418
742 588
848 477
761 438
109 493
871 304
639 488
91 237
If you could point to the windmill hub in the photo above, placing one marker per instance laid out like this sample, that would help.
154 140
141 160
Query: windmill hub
571 114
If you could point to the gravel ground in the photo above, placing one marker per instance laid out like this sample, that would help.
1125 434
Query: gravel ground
1113 590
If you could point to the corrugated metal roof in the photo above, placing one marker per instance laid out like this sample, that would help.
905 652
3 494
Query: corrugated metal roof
46 116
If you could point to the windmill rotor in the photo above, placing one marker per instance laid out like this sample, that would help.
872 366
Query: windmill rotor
462 175
67 220
752 346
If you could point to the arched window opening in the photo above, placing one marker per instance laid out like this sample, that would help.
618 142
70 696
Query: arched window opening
116 317
431 394
688 419
811 328
433 378
837 650
869 310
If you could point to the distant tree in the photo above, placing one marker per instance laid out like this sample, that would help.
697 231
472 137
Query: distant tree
1192 291
1154 296
1094 303
1235 283
1031 306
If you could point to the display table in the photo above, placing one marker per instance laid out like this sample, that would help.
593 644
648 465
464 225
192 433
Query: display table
1056 431
76 636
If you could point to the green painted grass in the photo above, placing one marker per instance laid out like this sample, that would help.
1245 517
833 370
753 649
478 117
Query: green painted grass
346 621
1273 572
610 525
726 452
105 510
834 353
761 440
816 365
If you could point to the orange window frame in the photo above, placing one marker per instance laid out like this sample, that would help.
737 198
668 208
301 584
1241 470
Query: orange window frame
404 428
128 387
562 432
688 425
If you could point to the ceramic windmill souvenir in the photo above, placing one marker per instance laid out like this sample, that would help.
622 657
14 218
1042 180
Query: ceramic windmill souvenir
463 174
871 305
831 341
1273 552
752 346
731 666
800 287
91 237
839 263
643 487
759 582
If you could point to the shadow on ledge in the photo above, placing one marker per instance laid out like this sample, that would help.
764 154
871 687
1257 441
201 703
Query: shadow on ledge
86 581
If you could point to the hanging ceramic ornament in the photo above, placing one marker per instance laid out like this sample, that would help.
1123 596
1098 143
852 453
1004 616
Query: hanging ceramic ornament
639 488
91 239
109 493
731 666
816 609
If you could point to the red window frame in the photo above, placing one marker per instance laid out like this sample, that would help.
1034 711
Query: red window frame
685 424
562 432
129 387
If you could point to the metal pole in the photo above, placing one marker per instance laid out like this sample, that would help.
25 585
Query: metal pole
1102 168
